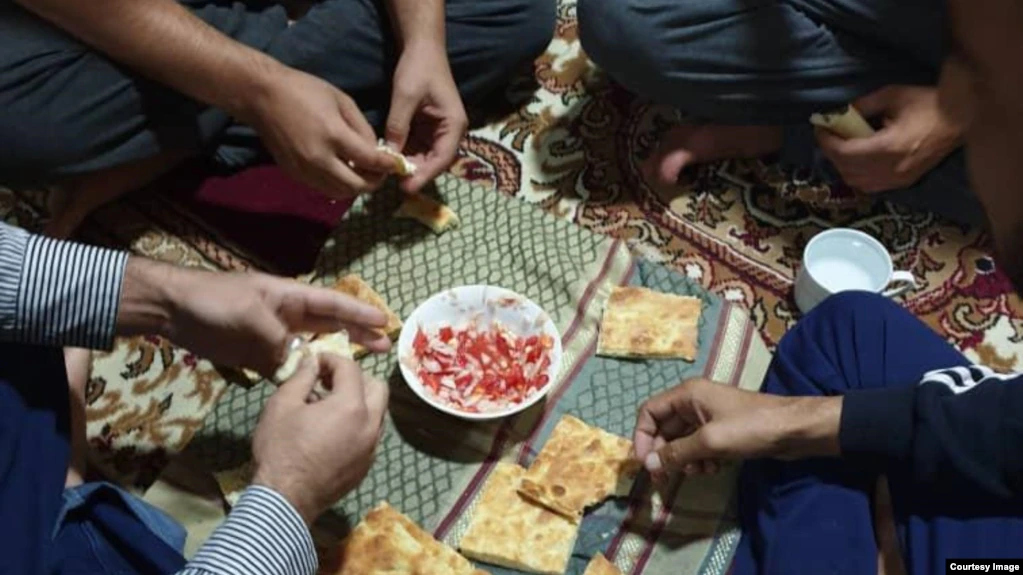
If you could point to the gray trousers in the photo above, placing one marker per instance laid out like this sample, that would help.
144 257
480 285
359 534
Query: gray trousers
66 109
777 62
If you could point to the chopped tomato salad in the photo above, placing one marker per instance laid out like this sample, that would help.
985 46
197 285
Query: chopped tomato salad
481 371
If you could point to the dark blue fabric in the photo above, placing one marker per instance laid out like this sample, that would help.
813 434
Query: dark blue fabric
815 515
34 452
99 533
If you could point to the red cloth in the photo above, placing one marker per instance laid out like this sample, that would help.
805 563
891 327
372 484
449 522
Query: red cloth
279 221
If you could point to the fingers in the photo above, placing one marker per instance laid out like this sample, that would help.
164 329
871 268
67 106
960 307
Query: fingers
347 386
377 396
876 103
442 156
356 120
373 340
271 347
297 388
670 413
856 149
319 309
865 164
399 120
358 144
338 179
675 456
666 416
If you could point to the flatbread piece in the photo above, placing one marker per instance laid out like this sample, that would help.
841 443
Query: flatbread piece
403 167
579 466
645 324
847 123
428 212
388 542
511 531
354 286
599 565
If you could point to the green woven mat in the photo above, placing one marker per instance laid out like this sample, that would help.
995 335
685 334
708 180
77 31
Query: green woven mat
431 466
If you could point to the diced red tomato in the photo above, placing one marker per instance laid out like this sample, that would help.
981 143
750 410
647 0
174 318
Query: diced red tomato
488 368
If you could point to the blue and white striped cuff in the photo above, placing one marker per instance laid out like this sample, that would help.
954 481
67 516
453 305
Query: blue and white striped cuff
55 292
263 535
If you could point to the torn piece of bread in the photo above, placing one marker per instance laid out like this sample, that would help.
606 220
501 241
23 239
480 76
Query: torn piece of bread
354 286
579 466
428 212
388 542
402 166
510 531
848 123
334 343
645 324
599 565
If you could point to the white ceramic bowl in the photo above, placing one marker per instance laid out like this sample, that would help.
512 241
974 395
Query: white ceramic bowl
459 306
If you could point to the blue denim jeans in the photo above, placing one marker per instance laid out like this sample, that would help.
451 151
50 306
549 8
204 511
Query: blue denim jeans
45 528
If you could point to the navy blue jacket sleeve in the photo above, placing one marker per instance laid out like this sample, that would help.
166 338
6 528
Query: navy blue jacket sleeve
958 433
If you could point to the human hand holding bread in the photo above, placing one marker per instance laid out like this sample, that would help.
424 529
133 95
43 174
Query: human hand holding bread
916 136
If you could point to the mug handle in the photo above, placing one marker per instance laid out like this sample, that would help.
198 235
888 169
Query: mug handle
907 280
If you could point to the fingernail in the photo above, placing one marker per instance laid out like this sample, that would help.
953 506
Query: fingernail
653 463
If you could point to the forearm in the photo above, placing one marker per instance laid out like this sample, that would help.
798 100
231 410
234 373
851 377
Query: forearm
164 41
263 534
809 427
418 22
62 293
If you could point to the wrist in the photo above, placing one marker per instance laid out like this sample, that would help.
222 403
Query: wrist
811 427
293 494
255 85
146 306
424 39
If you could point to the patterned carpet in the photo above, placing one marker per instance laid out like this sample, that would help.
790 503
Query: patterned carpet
573 149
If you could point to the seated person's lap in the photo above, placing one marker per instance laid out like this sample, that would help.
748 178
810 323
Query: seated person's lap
43 526
67 110
774 64
817 513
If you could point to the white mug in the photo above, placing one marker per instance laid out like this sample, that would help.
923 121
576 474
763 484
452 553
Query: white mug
841 259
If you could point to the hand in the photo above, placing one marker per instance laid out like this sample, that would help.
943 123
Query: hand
917 135
692 427
318 135
315 453
236 319
427 119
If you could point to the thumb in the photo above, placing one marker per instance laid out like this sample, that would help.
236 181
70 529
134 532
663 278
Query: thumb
398 120
674 456
267 341
298 387
874 104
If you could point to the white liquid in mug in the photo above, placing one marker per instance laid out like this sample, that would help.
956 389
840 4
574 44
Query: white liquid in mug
837 274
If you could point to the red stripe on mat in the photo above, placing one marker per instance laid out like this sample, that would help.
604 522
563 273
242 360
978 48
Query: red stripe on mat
635 506
502 435
662 518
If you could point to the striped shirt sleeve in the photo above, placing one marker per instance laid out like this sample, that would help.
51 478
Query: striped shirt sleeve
55 292
263 535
